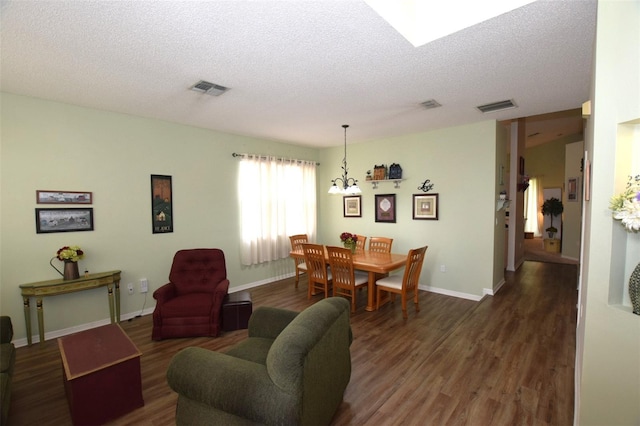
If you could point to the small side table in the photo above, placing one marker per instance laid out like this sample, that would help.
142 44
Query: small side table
236 310
42 289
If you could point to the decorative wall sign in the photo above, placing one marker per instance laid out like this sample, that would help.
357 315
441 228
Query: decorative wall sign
425 207
386 208
64 197
64 220
161 204
426 186
352 205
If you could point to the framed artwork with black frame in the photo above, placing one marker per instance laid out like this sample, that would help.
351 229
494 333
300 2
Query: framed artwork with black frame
64 220
161 204
352 205
425 206
385 208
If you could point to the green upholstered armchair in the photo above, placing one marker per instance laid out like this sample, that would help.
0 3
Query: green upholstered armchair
292 369
7 364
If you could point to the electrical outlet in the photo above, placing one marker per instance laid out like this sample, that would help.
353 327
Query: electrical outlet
130 288
144 285
443 268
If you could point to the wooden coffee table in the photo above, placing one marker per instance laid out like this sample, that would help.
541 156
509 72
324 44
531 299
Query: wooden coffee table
101 374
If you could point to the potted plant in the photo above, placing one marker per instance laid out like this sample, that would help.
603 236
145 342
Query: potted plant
552 207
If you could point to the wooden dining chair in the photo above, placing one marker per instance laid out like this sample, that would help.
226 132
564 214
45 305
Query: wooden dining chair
319 275
296 244
345 279
360 242
405 284
380 244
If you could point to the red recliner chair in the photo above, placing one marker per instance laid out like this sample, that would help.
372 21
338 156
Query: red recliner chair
190 304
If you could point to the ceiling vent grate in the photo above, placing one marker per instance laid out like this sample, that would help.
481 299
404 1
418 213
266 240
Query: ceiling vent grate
497 106
431 103
209 88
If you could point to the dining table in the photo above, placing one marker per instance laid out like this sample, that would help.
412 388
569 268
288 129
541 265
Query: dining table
369 261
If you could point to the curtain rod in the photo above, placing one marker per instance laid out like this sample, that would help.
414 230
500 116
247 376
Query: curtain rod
264 157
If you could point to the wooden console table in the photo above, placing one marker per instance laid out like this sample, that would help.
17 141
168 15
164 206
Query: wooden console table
42 289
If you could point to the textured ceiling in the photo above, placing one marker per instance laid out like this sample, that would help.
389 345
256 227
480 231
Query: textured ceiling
297 70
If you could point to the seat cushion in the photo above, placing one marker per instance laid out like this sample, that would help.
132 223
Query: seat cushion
360 278
188 305
392 281
302 266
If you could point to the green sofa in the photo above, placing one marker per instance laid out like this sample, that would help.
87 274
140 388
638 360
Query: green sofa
7 363
293 369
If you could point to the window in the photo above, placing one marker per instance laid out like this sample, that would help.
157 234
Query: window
531 210
277 199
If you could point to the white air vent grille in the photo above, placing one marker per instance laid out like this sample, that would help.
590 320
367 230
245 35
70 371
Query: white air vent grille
497 106
431 103
209 88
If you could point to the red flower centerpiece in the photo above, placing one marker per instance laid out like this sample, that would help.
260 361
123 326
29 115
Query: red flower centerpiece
349 240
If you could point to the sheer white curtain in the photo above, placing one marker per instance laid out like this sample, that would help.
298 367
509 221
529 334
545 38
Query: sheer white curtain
277 199
531 207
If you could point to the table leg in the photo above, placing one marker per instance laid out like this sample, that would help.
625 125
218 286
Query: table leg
371 292
117 283
111 304
27 318
40 319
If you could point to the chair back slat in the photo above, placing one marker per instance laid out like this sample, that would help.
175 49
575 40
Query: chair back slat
380 244
296 245
413 268
317 272
341 264
316 264
343 273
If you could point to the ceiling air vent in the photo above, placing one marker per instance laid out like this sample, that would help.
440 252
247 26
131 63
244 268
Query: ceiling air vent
209 88
497 106
431 103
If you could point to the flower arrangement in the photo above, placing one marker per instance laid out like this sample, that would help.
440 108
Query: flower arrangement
70 253
348 238
626 206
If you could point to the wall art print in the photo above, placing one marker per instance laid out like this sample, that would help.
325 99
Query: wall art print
63 197
161 204
64 220
352 206
425 206
386 208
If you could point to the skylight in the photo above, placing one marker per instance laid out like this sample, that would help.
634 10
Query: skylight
421 22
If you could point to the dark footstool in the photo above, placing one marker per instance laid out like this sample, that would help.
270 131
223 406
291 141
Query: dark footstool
236 310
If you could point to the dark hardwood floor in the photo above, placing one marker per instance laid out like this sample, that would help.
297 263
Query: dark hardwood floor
506 360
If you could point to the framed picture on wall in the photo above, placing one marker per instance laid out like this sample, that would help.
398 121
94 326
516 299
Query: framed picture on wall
63 197
161 204
385 208
64 220
572 189
425 206
352 206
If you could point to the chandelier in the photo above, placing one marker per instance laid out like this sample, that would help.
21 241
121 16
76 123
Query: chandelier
348 186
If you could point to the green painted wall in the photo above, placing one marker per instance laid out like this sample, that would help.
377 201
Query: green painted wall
54 146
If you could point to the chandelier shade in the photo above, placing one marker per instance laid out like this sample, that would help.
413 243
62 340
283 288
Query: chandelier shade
344 185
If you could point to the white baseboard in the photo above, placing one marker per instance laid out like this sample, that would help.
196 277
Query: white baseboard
124 317
450 293
493 291
66 331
